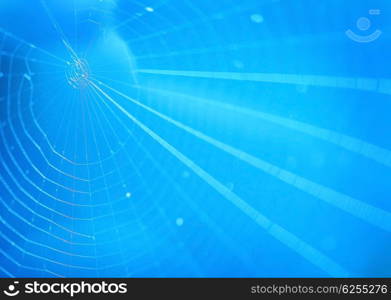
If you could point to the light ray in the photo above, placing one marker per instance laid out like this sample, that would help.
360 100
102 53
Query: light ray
382 86
371 151
278 232
219 232
362 210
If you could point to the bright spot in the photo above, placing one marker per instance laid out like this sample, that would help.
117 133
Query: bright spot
238 64
149 9
128 195
257 18
179 221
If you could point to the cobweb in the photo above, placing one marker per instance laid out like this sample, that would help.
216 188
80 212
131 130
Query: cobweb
121 156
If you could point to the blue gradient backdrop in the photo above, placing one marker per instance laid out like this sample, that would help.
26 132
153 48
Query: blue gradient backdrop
195 138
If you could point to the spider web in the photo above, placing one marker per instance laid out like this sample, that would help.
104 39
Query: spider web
104 162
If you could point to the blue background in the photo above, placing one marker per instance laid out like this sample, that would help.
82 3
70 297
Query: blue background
181 138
